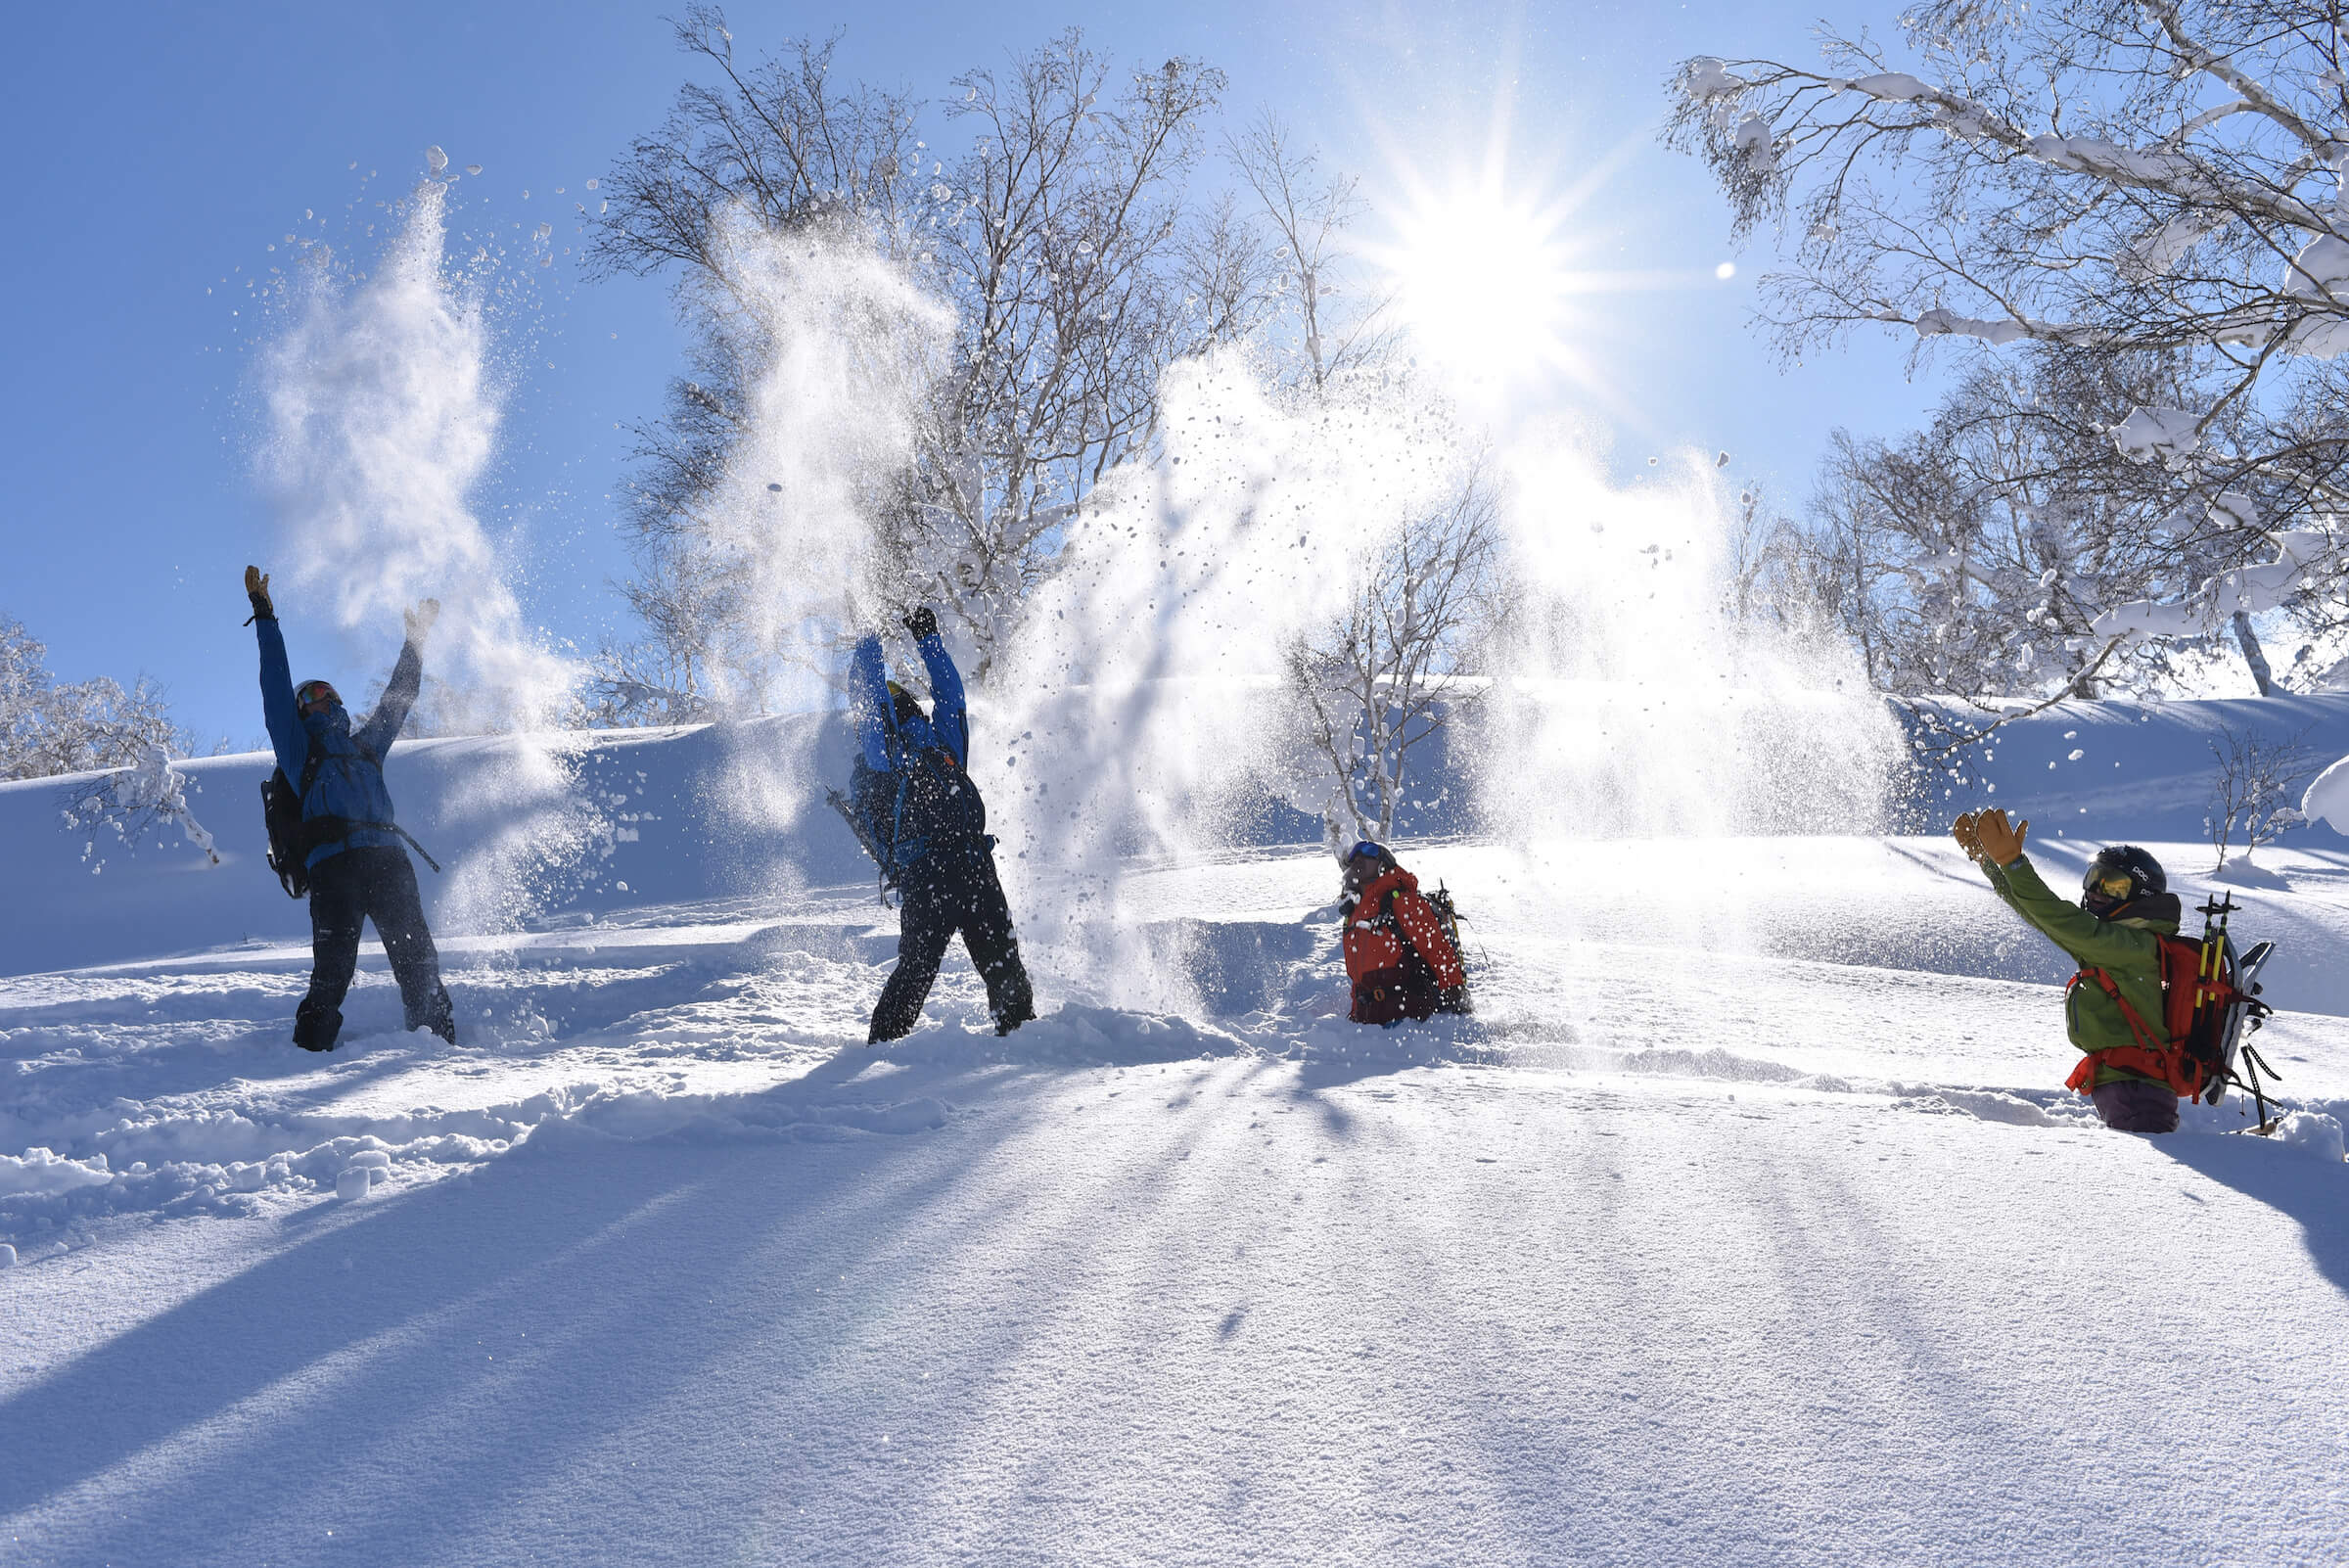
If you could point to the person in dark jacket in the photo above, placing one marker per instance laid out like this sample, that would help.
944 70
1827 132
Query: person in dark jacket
357 860
2125 905
927 821
1399 960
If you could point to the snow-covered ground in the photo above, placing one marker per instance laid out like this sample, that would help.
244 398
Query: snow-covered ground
1747 1222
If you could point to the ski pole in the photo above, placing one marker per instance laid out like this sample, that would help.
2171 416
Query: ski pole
2253 1062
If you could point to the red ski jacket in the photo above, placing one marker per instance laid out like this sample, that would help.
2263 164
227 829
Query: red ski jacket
1377 929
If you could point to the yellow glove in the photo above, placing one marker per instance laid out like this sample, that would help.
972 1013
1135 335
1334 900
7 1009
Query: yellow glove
1969 840
256 588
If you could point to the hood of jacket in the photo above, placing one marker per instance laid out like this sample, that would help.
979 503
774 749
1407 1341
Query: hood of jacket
1396 881
2155 911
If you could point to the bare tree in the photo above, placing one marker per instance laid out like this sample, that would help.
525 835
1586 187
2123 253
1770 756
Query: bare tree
2112 181
1385 678
778 145
2253 788
1329 317
2001 533
1062 238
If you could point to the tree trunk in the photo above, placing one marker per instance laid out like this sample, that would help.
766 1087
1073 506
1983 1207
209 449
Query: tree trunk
2252 655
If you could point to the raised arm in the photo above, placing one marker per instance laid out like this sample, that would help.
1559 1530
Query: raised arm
949 715
383 726
2093 941
287 738
868 703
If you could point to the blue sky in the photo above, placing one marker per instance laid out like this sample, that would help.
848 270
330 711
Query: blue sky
158 151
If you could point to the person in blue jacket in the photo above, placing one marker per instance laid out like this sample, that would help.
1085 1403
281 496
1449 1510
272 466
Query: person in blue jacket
358 866
928 824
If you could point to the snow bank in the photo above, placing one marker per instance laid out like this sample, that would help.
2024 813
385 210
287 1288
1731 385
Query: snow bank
39 1171
2240 872
2117 769
2319 1134
2327 798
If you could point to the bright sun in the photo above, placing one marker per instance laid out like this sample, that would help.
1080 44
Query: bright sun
1483 283
1494 281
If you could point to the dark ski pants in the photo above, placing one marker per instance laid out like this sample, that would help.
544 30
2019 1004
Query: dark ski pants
2133 1105
950 890
345 889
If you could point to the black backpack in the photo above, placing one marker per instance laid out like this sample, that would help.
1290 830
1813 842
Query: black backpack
926 799
292 836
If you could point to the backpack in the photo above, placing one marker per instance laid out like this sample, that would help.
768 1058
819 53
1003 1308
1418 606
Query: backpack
293 836
926 799
281 813
2188 1050
1450 917
1415 991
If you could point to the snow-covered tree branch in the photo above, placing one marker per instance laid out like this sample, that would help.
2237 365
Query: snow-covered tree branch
48 728
2121 182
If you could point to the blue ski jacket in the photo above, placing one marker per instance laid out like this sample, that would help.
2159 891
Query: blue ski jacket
878 732
350 775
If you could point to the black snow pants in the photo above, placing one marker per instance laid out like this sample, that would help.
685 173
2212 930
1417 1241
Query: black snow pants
357 885
953 888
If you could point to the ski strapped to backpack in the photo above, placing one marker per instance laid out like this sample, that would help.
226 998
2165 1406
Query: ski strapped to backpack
2202 1009
293 837
1450 917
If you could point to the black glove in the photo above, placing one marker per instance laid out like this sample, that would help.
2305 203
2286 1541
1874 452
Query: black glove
921 622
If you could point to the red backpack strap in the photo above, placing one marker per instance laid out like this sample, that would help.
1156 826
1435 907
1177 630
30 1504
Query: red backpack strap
2150 1056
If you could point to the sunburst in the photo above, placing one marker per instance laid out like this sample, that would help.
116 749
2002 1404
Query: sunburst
1495 282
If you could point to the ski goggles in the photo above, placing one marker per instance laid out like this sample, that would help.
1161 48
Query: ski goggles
313 695
1366 851
2114 887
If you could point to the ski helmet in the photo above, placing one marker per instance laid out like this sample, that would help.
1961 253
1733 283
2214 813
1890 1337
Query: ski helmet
315 696
2120 875
1366 862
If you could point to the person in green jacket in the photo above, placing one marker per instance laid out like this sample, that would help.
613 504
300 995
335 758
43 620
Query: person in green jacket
2123 903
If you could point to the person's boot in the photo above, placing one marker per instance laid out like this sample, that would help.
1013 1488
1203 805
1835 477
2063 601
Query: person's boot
315 1027
439 1016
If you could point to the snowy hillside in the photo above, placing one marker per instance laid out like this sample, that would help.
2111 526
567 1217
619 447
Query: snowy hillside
1747 1221
2125 769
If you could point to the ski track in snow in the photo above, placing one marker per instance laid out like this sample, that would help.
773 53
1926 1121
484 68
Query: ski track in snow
1757 1233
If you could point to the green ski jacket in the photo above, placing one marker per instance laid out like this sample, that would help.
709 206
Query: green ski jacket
2125 949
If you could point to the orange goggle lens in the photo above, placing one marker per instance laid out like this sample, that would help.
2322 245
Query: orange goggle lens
314 694
2112 884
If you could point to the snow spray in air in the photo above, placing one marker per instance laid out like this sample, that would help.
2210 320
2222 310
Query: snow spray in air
832 348
1148 694
1151 696
1631 696
383 418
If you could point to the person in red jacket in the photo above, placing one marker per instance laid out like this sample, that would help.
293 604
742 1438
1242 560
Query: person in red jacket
1399 954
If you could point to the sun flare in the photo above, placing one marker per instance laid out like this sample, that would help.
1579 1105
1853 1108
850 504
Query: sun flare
1501 271
1482 283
